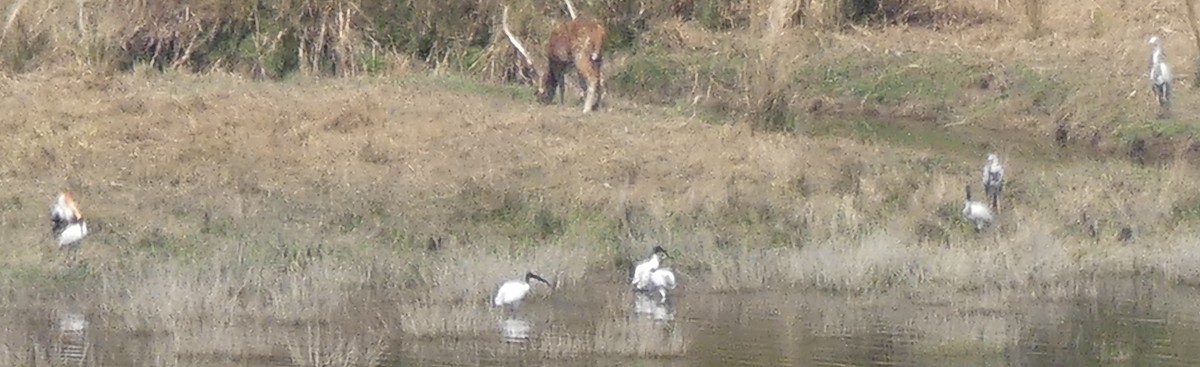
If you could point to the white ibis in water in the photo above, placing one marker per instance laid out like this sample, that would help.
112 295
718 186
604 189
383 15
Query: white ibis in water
512 292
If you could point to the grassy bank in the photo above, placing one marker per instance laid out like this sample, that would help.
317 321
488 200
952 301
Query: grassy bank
349 182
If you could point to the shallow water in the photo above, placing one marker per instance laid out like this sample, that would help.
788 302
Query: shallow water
1110 323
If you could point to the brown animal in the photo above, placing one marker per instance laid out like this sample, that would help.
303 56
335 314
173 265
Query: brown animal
577 43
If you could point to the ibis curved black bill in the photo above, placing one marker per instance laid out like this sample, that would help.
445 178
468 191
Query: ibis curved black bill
659 250
531 275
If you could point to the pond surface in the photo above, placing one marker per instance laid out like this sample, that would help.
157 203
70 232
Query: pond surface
1112 323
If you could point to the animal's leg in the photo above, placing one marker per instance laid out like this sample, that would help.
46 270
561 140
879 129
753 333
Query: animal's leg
603 86
590 101
1166 101
597 64
561 89
581 83
551 81
590 72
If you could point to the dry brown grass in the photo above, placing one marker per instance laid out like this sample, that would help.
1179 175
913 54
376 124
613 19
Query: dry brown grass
1034 16
319 348
301 187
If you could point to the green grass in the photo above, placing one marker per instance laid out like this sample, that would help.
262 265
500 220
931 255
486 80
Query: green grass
891 80
669 78
1045 91
652 78
461 83
38 276
879 131
1159 128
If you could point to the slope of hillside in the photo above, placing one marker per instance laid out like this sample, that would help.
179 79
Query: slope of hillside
181 164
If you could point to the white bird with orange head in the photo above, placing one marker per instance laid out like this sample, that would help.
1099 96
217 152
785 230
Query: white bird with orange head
512 292
69 226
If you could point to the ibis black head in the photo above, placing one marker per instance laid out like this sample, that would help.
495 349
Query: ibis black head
531 275
658 250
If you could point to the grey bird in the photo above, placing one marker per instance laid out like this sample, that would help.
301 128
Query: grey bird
1160 72
993 180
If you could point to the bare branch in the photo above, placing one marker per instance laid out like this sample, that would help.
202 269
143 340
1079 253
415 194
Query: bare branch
513 39
571 9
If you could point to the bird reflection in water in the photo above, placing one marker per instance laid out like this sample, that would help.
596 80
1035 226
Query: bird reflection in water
650 305
515 330
72 338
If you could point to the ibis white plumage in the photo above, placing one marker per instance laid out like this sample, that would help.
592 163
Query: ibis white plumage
976 212
993 180
68 224
512 292
662 280
641 272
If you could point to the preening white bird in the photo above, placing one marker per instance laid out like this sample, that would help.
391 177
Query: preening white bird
1160 72
512 292
993 180
69 227
662 280
976 212
641 272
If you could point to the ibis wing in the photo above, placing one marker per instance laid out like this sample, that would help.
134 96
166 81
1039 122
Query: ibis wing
71 234
663 278
509 292
641 274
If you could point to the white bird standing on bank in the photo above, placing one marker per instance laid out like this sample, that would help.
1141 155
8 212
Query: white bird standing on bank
68 224
993 180
512 292
1160 72
976 212
641 273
